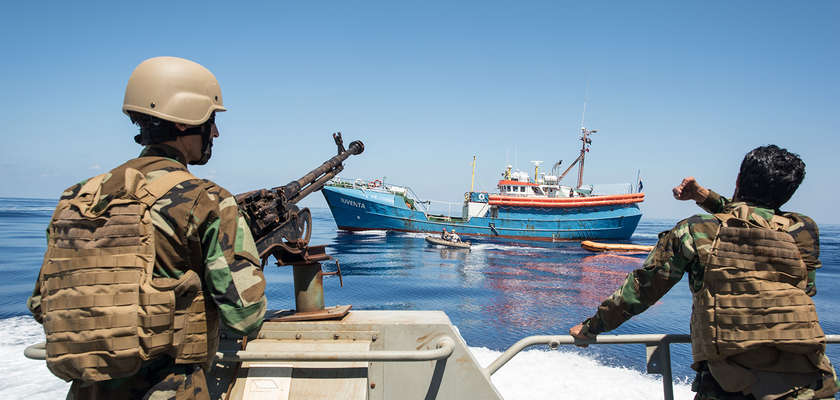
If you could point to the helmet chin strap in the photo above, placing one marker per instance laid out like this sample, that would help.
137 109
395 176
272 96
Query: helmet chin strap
205 130
206 149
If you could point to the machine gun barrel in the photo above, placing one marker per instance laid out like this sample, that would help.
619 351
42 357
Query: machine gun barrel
315 179
279 227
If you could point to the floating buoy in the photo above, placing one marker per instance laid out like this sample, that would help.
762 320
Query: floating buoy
595 246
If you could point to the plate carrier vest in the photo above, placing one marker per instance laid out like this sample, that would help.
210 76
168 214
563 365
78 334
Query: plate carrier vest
104 313
753 292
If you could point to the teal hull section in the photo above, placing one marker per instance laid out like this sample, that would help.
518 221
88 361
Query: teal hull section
358 209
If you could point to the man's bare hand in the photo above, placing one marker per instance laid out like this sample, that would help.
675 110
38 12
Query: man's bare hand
575 332
689 189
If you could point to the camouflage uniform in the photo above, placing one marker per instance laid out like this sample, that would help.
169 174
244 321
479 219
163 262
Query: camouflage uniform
198 226
677 253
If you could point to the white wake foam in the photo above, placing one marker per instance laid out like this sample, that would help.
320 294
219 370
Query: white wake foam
531 375
538 374
20 377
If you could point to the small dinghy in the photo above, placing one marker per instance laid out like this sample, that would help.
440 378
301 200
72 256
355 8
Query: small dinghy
633 248
448 243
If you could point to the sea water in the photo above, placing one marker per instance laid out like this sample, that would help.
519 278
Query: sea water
496 294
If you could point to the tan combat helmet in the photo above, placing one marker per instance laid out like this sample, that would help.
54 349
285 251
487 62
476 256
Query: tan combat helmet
173 89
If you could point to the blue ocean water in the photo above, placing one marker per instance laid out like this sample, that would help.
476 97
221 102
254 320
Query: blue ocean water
497 293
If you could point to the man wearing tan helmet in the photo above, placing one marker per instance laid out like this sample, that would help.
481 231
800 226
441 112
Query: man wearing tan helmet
144 261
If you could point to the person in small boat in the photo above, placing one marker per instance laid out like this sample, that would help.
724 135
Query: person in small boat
755 334
444 235
454 237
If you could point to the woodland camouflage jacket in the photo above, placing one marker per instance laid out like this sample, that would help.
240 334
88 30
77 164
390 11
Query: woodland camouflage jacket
675 254
198 226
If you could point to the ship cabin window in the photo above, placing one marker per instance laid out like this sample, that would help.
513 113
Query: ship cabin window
537 191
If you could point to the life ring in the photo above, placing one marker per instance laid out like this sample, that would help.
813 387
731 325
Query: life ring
482 197
375 183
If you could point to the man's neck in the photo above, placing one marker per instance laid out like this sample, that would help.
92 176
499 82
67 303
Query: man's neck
164 150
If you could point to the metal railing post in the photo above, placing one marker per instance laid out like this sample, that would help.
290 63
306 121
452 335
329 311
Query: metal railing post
667 378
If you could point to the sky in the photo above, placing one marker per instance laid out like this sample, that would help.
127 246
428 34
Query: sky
674 89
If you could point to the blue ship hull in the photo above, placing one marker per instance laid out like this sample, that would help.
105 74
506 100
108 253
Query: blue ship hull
358 209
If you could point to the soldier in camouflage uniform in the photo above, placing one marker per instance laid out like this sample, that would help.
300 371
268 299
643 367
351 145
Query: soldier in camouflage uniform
768 177
197 225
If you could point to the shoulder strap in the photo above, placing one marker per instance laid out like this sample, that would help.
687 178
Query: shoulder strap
742 215
780 223
149 193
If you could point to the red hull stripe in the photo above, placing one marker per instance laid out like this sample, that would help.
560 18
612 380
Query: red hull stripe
511 201
533 238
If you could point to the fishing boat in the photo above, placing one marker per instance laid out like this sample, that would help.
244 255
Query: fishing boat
447 243
538 208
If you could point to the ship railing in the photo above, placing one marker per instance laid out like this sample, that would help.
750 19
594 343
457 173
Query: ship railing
362 184
427 207
605 189
441 349
437 206
658 351
421 205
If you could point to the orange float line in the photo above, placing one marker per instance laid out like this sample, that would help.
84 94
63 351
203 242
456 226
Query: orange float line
595 246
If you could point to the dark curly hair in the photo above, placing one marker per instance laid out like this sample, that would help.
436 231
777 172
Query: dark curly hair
769 176
153 130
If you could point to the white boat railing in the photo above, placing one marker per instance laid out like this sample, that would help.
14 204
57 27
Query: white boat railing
604 189
448 205
658 350
427 207
657 346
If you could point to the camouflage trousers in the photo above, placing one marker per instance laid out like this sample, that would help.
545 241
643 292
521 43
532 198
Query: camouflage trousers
177 382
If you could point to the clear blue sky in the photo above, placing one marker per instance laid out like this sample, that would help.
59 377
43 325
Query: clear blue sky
674 89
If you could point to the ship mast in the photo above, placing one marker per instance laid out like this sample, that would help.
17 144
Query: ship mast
584 148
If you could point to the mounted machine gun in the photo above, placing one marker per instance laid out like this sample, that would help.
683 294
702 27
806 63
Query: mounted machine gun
283 230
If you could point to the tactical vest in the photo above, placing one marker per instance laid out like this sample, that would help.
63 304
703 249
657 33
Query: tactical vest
753 292
104 313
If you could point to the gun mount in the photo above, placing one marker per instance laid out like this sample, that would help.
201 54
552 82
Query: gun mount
283 230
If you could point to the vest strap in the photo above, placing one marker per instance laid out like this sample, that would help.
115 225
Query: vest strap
801 332
100 300
157 340
109 344
92 323
161 185
150 299
58 265
156 320
92 278
758 320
